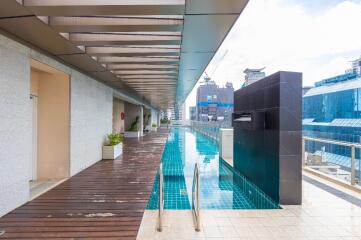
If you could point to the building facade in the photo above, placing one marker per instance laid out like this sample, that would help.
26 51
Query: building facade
193 113
332 110
214 103
253 75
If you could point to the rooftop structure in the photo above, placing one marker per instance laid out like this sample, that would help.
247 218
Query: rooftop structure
355 66
87 150
253 75
87 68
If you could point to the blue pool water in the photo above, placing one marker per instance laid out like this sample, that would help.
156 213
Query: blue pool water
221 186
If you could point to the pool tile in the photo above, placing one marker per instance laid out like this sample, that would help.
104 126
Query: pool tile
221 186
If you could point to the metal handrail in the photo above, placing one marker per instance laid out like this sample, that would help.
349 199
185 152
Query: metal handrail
161 199
195 196
336 142
353 147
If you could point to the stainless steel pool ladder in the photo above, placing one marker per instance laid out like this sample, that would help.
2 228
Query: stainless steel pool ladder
161 199
195 197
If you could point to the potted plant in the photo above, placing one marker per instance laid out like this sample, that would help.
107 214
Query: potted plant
164 122
113 147
154 127
133 131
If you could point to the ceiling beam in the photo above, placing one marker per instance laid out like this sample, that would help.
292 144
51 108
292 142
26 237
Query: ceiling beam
148 72
105 7
97 39
146 77
155 59
140 66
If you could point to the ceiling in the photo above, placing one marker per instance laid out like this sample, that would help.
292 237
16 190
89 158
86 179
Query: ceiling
153 49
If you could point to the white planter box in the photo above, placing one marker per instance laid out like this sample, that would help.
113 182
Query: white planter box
132 134
162 125
112 152
154 129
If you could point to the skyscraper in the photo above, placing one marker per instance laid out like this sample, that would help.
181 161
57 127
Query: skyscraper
214 103
253 75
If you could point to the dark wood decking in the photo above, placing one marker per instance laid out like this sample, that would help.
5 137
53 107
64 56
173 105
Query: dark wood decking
105 201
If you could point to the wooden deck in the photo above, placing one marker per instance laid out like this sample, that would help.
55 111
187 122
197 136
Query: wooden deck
105 201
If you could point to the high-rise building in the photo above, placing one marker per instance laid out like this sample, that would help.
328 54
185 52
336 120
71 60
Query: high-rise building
214 103
253 75
332 110
193 113
179 112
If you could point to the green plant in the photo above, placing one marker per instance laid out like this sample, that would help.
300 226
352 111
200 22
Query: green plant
164 121
135 125
114 139
154 125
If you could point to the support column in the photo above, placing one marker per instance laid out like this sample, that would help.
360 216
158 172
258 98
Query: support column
154 118
158 119
141 120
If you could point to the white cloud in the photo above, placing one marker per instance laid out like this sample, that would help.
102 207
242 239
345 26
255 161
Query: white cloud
282 36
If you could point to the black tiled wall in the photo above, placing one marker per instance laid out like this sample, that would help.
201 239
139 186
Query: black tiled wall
267 149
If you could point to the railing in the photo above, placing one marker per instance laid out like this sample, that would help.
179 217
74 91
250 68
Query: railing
318 154
195 197
161 199
210 128
181 123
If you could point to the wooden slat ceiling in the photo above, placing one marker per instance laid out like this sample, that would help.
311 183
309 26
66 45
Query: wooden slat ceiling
155 48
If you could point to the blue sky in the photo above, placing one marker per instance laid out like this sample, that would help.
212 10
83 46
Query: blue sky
316 37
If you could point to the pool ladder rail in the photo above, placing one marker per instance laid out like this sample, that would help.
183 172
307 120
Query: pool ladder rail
195 197
161 199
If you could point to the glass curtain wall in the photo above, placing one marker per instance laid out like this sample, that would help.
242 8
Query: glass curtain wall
336 116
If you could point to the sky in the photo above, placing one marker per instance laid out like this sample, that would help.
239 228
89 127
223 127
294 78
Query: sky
316 37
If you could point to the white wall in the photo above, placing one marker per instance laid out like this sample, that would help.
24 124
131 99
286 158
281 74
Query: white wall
15 127
91 120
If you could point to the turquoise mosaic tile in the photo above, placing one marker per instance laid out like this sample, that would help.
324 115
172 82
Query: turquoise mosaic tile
221 186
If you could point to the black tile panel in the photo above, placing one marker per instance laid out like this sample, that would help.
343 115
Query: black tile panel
268 149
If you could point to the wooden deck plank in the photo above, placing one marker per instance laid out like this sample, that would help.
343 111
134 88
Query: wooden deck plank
105 201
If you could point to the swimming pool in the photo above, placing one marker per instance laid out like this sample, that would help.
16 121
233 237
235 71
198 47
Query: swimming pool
221 186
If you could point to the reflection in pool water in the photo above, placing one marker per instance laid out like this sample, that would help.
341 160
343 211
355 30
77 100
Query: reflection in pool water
221 186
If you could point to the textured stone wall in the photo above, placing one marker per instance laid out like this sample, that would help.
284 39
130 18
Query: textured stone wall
15 127
91 119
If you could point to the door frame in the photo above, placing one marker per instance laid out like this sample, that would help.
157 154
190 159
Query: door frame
34 136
